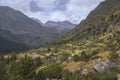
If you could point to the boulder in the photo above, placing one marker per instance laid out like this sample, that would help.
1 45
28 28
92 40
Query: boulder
110 63
104 66
88 72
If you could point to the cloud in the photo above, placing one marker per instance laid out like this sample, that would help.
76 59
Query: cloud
55 10
21 5
81 8
61 4
34 7
55 16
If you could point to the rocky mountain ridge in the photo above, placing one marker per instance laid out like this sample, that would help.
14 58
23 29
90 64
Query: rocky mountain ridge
61 27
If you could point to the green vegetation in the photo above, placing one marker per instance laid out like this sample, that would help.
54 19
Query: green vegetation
3 75
77 76
69 76
96 39
104 76
51 71
19 70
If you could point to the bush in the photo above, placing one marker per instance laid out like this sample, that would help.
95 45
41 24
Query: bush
3 74
76 58
104 76
72 76
24 69
64 57
48 50
84 56
51 71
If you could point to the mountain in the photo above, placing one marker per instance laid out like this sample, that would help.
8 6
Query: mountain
26 30
37 20
31 32
98 21
8 46
61 26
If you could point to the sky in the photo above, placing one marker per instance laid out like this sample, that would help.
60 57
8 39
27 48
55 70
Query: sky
54 10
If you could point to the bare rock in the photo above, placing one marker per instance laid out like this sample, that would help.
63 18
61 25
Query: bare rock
104 66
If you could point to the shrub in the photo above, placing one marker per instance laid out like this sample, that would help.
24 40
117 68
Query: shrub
51 71
2 70
64 57
76 58
104 76
72 76
24 69
48 50
84 56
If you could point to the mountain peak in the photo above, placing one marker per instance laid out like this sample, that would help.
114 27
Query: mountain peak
5 7
60 24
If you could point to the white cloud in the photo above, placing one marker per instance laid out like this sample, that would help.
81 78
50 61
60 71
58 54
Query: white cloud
81 8
73 10
61 4
16 4
45 3
58 16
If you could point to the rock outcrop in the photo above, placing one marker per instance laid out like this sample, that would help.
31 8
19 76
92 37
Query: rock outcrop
103 66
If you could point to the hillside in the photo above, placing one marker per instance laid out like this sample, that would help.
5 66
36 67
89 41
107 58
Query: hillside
99 21
8 46
91 51
26 30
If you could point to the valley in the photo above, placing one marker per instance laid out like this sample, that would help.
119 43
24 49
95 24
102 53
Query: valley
89 51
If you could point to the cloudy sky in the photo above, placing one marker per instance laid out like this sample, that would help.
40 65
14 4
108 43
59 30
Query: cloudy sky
54 10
